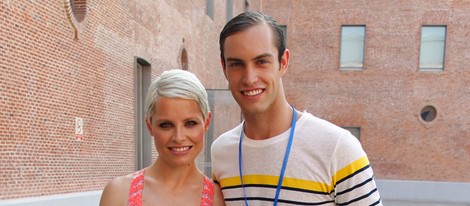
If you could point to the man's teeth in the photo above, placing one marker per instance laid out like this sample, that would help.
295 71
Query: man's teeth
180 149
252 92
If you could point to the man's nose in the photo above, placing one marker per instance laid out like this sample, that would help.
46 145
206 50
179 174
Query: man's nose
250 76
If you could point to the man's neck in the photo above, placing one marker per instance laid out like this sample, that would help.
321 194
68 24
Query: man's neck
268 124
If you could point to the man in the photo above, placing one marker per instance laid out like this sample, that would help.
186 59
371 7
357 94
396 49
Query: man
278 154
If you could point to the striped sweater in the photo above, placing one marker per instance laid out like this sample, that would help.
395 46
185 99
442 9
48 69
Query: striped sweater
327 166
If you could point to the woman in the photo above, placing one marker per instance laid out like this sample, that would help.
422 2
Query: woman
178 117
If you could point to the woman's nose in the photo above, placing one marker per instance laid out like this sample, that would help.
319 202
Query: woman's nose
178 135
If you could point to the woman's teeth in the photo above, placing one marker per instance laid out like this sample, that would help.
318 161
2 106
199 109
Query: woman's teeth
180 149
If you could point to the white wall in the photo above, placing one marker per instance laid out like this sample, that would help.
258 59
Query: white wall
393 193
423 193
73 199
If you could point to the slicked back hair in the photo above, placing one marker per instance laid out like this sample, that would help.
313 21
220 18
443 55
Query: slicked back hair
249 19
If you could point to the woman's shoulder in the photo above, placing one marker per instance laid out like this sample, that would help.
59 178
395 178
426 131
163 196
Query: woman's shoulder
121 182
215 192
116 191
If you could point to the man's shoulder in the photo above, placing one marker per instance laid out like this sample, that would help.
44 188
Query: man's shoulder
229 137
310 120
321 130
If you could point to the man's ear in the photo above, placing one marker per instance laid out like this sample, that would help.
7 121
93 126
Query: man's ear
222 62
284 62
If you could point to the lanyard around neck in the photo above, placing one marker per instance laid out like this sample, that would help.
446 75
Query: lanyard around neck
284 164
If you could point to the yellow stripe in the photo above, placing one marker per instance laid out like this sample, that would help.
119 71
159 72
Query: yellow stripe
348 170
306 185
297 183
273 180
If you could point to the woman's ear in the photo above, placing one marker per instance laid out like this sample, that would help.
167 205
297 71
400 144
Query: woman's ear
207 123
148 123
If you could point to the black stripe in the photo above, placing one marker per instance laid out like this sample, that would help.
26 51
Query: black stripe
249 185
274 187
376 203
306 191
280 200
353 174
306 203
355 186
359 198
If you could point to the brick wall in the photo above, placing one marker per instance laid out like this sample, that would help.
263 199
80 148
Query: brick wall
49 76
385 98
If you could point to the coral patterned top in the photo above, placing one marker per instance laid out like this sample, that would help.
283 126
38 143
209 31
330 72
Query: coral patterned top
137 186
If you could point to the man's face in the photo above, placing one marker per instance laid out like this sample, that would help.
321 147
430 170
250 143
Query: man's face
253 70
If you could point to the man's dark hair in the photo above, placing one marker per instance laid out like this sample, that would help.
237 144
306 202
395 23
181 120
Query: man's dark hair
248 19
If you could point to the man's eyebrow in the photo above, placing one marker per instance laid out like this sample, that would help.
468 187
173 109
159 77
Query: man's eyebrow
263 56
232 59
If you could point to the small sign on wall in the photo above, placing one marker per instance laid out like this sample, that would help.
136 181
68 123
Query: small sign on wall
79 128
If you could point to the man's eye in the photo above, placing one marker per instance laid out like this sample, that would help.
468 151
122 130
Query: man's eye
262 61
234 65
165 125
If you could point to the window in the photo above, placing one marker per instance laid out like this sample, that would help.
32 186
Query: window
356 131
210 8
225 114
75 13
184 60
428 113
352 47
247 5
431 56
229 9
143 73
78 9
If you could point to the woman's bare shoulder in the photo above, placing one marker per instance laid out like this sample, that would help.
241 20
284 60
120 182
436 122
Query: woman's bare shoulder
116 192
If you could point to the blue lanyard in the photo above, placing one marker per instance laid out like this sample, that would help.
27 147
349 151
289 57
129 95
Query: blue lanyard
284 164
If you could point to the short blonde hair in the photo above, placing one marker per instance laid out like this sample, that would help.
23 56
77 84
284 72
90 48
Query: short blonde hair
176 83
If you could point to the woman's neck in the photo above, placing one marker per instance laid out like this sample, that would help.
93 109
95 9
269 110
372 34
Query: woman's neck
174 177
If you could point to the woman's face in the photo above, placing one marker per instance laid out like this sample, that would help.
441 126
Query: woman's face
178 128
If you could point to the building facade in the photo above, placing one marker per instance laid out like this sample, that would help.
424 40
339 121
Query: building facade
73 74
385 96
404 92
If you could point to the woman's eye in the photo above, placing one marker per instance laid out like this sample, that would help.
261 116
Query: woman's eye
164 125
191 123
